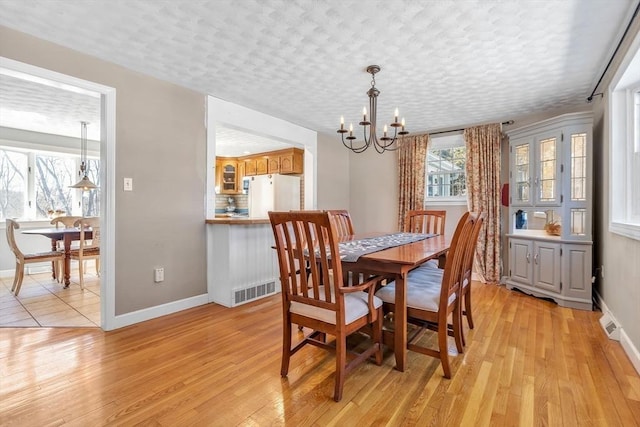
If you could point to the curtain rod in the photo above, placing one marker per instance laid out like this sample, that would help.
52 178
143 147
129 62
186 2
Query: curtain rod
633 17
508 122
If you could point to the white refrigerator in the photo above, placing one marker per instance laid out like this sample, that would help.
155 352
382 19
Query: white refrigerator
273 193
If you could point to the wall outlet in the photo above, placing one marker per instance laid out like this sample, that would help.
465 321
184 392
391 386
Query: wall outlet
158 274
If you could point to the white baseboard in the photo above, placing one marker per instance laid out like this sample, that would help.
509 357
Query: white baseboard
631 351
157 311
31 269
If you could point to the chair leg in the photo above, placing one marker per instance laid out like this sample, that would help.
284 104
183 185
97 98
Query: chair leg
60 271
443 350
286 347
18 281
467 306
98 267
457 328
16 276
341 361
81 273
377 336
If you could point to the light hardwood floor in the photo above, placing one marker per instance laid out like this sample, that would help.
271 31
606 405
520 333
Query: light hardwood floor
44 302
527 362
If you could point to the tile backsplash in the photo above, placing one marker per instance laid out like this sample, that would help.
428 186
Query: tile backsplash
241 202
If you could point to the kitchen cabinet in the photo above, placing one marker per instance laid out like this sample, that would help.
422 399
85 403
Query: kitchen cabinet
262 165
249 167
550 212
273 164
291 161
227 177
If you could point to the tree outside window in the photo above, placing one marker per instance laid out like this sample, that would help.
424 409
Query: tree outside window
34 184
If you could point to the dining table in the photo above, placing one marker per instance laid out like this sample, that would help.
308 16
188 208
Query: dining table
67 236
396 262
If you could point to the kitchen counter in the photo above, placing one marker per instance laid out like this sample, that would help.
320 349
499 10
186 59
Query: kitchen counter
237 220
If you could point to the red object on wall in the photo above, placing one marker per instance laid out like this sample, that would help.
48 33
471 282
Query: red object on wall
505 194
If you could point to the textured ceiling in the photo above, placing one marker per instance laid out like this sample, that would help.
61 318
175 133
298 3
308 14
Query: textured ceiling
445 64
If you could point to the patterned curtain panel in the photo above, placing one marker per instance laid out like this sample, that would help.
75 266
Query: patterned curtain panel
483 194
412 155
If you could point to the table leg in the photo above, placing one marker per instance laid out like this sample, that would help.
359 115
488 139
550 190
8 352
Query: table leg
67 260
400 323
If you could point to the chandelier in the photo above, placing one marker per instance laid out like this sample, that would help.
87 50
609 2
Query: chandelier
386 143
84 183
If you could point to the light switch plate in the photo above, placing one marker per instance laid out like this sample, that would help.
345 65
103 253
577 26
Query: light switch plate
128 184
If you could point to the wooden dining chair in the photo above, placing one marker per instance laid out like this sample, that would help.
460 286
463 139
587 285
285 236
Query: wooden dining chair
326 308
433 297
62 222
89 248
23 259
341 220
425 221
467 271
428 222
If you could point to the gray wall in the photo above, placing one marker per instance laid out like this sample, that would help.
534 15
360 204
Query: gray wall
620 288
333 181
161 144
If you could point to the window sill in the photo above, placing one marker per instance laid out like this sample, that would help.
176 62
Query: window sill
631 231
444 202
31 223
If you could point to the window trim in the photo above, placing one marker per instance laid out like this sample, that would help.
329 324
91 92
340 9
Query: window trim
620 116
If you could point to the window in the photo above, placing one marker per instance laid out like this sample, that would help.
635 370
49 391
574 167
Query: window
34 184
446 174
624 138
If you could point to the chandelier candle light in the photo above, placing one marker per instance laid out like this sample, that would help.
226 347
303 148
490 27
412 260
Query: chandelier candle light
85 183
386 143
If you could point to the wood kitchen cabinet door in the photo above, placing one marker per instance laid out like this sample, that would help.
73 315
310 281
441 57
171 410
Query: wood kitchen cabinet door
291 162
249 167
262 166
273 165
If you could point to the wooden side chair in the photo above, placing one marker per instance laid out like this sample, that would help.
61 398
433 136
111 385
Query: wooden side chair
433 296
467 271
65 221
62 222
425 221
89 248
326 308
341 220
23 259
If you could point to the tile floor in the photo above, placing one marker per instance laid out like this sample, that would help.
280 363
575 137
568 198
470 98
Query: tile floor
43 302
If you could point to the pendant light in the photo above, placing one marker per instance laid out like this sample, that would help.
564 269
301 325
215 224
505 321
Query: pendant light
85 183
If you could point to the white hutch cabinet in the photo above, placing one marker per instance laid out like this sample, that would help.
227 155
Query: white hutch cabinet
550 210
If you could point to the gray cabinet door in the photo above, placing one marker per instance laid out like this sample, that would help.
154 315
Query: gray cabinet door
546 266
576 271
521 269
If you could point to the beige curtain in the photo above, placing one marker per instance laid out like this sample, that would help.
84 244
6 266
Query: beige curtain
412 155
483 194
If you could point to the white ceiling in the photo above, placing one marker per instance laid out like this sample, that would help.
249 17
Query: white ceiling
445 64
